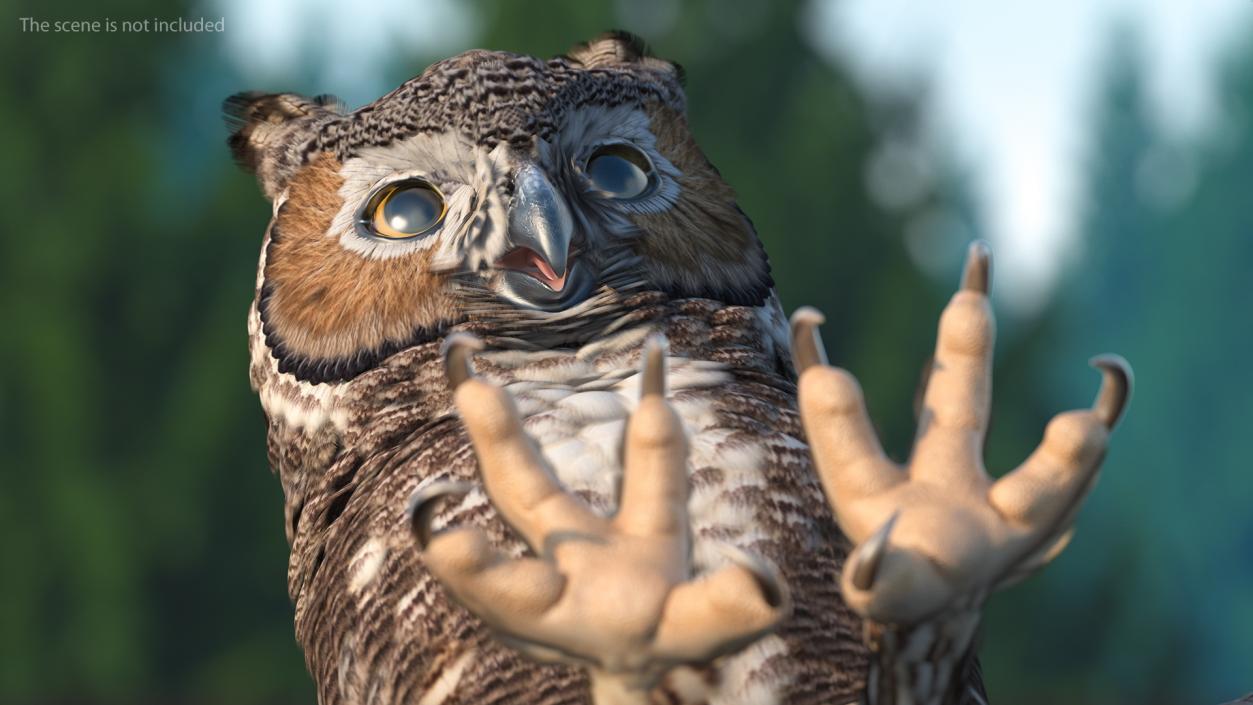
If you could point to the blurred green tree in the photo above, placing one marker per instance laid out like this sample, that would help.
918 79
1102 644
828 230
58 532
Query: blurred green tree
137 516
1152 602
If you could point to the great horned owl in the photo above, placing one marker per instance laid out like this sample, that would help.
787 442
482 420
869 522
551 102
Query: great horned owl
562 212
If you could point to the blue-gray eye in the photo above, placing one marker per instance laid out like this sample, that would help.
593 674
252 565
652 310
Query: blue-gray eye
620 171
406 209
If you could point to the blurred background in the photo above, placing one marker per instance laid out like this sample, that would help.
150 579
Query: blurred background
1105 148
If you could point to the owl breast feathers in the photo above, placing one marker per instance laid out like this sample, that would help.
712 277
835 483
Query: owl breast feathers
560 211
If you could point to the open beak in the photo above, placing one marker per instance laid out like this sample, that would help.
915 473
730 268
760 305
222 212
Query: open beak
535 265
540 231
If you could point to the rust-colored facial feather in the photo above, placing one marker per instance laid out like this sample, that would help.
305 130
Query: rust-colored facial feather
326 302
703 238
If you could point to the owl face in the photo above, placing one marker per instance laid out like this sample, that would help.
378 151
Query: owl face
492 190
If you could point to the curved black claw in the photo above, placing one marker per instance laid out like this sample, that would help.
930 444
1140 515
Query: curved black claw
458 350
807 349
423 503
977 273
1116 386
653 375
869 555
769 581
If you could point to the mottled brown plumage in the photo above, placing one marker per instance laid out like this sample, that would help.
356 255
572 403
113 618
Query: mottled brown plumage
345 335
402 434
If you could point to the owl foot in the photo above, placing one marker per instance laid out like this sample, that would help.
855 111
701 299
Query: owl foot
936 536
613 594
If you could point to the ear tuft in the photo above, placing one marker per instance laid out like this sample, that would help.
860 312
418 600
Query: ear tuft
612 47
265 125
620 48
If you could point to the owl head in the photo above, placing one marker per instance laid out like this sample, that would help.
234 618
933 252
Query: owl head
495 189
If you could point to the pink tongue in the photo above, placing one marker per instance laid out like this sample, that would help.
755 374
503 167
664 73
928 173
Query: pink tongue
546 273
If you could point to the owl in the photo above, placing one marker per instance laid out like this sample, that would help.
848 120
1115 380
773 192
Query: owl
561 212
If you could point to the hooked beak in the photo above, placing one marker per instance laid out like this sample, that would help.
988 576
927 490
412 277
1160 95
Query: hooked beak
539 270
534 262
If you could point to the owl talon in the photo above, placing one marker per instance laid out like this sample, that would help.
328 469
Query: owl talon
957 534
423 503
458 350
653 373
1111 401
807 349
977 273
554 606
869 555
770 582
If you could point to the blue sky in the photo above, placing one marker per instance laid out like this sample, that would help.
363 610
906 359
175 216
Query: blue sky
1011 89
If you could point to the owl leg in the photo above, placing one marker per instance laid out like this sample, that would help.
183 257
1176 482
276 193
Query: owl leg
615 595
935 537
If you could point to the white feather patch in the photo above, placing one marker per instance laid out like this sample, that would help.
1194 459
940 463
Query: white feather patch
301 406
448 680
594 406
365 564
738 685
447 161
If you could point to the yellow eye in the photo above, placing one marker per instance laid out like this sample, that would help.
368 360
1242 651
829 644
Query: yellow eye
619 171
406 209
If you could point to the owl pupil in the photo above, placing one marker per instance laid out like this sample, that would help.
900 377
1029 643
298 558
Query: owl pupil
614 172
411 210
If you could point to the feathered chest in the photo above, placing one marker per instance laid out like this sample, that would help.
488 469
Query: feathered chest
369 615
